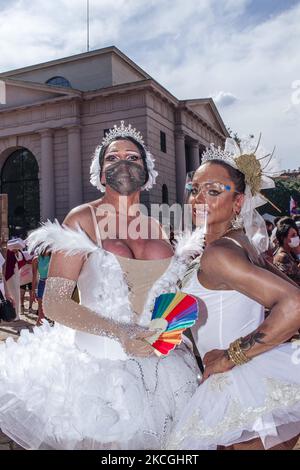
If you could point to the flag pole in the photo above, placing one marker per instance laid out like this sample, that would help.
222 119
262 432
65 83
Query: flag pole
87 25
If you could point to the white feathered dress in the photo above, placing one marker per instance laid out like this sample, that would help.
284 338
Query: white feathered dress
62 389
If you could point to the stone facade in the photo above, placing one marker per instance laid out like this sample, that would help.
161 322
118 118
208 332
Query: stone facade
62 126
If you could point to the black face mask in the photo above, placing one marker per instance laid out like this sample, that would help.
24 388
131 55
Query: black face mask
125 177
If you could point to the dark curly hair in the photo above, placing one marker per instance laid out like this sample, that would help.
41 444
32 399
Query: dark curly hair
283 227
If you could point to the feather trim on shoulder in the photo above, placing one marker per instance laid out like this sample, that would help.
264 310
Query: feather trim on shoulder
190 244
55 237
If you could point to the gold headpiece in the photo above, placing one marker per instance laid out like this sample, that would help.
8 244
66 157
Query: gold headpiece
243 157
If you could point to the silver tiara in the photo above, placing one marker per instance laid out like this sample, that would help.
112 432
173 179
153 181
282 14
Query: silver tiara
216 153
123 131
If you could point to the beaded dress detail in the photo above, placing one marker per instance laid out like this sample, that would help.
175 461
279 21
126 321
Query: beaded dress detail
67 389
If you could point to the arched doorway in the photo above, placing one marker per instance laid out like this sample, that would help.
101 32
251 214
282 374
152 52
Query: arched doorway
20 181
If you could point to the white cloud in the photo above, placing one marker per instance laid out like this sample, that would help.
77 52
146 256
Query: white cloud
191 48
224 98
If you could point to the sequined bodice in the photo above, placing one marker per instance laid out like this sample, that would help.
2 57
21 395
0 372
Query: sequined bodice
116 288
140 276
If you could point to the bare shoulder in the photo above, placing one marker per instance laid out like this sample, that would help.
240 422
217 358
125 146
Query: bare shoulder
226 247
223 253
80 215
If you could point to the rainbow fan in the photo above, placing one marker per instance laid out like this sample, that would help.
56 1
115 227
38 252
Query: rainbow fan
172 315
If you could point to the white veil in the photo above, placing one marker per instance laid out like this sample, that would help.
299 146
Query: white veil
254 224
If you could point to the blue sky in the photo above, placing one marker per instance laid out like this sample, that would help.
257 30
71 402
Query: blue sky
243 53
264 9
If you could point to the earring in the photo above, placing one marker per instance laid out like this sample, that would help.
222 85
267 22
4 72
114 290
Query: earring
237 222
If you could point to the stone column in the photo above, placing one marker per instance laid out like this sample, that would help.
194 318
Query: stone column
194 155
47 176
180 165
74 167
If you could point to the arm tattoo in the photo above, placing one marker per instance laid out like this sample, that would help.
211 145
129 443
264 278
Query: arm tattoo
249 341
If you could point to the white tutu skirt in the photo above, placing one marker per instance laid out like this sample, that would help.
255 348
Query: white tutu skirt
54 396
260 399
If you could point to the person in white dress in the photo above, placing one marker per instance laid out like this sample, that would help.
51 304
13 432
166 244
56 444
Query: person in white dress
250 394
92 381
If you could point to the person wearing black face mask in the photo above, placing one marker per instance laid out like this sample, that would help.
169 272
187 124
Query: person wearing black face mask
125 177
103 373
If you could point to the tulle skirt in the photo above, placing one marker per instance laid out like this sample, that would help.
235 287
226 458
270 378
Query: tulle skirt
55 396
260 399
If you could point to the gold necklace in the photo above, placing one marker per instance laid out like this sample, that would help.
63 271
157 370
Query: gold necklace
230 229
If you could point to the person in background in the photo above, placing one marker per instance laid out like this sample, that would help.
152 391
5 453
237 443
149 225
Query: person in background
25 272
269 253
286 257
273 239
40 266
296 218
270 227
2 266
3 285
12 275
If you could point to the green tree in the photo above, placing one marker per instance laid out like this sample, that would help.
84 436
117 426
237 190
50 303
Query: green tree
280 196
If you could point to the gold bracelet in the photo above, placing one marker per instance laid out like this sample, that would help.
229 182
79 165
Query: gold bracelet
236 354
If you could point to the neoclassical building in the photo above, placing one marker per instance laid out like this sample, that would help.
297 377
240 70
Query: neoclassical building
53 115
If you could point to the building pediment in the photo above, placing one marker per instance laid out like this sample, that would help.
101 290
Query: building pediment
15 93
208 111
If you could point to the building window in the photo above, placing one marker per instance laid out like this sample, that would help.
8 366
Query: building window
163 142
59 81
165 194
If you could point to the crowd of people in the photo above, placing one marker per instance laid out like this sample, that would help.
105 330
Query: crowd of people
284 247
23 271
96 380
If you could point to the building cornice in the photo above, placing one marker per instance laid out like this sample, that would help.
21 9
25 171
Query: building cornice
133 86
38 104
144 85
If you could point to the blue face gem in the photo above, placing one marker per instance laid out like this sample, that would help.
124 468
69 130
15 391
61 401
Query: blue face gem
227 187
189 186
